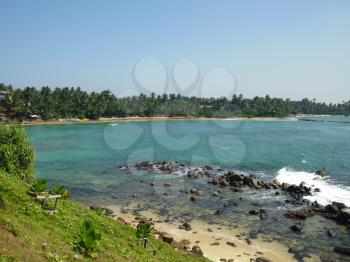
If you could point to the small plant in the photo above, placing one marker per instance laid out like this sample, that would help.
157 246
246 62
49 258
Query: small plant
61 190
144 229
40 185
87 240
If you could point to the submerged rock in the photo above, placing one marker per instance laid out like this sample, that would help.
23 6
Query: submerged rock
342 250
321 173
343 217
331 233
297 228
301 214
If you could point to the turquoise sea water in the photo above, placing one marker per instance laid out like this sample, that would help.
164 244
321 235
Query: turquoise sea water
86 158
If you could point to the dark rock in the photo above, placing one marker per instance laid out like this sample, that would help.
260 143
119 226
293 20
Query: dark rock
193 199
254 212
183 244
167 238
317 189
331 209
297 228
231 244
197 251
208 167
257 212
167 184
343 217
321 173
285 186
2 204
342 250
187 226
339 205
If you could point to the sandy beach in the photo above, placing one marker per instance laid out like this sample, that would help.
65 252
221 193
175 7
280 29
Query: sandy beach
217 242
158 118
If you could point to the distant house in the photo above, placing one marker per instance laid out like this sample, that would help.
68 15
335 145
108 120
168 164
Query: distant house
34 117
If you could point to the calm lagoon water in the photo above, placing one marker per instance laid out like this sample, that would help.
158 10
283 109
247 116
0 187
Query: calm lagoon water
86 158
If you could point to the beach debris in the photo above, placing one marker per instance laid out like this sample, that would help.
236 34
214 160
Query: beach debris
44 245
197 251
215 244
167 184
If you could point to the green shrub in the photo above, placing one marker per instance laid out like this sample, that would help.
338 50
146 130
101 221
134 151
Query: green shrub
144 229
40 185
16 152
87 239
61 190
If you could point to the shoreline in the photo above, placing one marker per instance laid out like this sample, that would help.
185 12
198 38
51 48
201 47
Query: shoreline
213 239
141 119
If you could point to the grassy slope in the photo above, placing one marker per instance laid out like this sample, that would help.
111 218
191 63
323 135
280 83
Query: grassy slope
24 227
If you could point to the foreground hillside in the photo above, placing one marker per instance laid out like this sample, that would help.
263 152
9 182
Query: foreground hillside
29 234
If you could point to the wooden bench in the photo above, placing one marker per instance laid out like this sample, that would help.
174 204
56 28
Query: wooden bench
45 197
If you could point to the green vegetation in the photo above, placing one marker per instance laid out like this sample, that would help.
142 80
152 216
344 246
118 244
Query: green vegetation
144 230
16 152
39 185
24 227
61 190
75 103
87 240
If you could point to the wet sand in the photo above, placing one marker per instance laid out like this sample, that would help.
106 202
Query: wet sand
213 239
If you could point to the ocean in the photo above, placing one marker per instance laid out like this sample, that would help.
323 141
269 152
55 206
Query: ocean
87 158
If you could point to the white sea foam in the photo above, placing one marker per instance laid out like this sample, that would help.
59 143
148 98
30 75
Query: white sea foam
329 192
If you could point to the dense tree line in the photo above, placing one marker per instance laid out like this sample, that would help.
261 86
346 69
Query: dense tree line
76 103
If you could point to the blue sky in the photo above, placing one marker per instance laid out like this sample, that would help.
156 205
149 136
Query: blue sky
284 48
